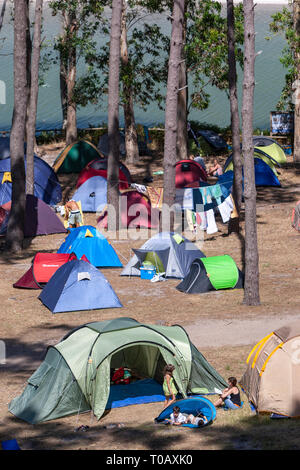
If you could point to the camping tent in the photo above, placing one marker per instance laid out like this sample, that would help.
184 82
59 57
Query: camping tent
4 147
78 285
46 184
192 405
189 174
98 167
43 266
87 240
75 156
103 145
211 273
264 167
142 145
40 219
75 375
214 139
92 194
271 147
272 377
168 249
135 210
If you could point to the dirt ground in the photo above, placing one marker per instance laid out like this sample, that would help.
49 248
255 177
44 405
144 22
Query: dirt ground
218 323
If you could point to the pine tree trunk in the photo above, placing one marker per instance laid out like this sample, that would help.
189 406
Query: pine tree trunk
182 134
131 138
235 120
170 144
15 229
68 72
113 117
251 288
296 20
63 89
34 89
71 127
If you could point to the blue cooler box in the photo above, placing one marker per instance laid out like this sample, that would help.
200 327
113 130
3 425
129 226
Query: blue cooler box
147 272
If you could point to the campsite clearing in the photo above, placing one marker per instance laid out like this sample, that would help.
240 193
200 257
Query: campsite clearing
221 327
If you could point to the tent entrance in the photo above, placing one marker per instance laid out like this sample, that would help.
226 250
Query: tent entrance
158 258
146 364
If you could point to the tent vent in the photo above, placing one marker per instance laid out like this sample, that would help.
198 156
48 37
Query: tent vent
82 276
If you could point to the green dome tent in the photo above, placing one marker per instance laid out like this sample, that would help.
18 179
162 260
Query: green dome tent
211 273
75 374
75 157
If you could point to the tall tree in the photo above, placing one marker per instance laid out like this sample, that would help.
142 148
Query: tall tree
80 22
182 133
234 112
15 229
113 116
33 99
251 290
171 110
131 138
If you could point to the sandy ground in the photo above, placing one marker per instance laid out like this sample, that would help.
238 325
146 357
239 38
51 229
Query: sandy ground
218 323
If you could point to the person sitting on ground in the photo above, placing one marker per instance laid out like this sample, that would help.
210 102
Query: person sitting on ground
177 418
199 160
198 420
230 396
73 214
216 169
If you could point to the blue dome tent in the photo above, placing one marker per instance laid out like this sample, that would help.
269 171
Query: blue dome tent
88 241
78 285
92 194
46 184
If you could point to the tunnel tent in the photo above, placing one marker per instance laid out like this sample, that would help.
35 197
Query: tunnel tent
75 157
75 374
212 273
271 380
175 251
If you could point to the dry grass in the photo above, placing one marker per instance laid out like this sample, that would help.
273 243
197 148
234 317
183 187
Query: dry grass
27 328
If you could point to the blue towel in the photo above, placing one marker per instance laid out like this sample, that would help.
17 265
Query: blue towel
142 391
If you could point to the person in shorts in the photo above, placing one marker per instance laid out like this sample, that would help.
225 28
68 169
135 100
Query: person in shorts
73 214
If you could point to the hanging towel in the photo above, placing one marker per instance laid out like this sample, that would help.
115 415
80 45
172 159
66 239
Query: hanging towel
211 222
184 198
225 211
191 219
201 220
216 193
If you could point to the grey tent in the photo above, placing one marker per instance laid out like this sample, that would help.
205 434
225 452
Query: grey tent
75 375
171 250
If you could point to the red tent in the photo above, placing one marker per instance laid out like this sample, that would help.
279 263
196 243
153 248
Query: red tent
99 168
43 266
189 174
136 211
